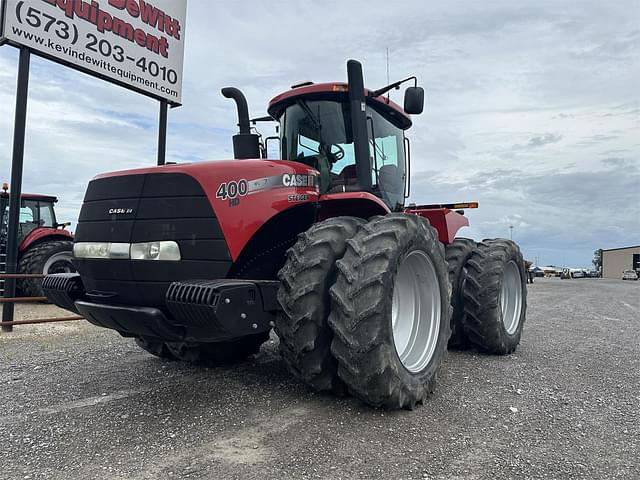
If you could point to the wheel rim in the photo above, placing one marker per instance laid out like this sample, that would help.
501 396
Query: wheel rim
416 311
58 263
511 297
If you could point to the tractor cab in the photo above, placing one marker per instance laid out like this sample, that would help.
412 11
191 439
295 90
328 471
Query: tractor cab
36 211
43 245
315 129
353 136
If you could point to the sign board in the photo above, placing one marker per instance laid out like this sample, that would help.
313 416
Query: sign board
138 44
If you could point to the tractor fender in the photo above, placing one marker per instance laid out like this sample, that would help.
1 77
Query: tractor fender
40 235
351 204
265 253
446 222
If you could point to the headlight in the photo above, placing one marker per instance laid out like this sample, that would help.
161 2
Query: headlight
101 250
163 251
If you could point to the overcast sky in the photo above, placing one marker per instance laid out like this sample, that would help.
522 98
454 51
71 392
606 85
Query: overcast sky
533 108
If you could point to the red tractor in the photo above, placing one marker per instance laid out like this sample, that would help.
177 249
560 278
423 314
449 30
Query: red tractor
198 262
45 246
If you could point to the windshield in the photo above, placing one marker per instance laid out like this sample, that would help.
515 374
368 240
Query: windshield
33 214
318 134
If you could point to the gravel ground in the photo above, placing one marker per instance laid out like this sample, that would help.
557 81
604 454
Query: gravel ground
83 403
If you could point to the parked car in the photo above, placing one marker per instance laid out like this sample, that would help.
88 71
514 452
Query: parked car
630 275
577 273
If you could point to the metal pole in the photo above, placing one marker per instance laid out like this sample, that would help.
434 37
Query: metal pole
162 133
41 321
19 129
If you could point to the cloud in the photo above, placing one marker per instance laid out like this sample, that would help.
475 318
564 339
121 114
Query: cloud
544 140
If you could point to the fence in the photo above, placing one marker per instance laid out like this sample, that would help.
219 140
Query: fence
8 326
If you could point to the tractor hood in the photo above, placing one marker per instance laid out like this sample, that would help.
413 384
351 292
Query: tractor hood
244 194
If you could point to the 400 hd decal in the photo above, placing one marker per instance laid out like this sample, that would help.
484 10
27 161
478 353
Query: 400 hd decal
232 190
236 189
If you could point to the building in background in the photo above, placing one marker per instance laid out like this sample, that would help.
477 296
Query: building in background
617 260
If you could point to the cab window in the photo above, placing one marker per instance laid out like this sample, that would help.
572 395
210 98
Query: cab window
386 150
47 218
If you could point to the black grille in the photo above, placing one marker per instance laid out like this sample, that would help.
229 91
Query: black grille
144 208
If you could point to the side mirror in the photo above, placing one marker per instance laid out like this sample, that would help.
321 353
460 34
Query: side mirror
414 100
271 152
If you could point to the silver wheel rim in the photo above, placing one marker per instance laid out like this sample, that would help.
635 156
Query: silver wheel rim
511 297
416 311
62 260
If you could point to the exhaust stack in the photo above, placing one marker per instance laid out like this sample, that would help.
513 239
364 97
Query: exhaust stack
245 144
357 101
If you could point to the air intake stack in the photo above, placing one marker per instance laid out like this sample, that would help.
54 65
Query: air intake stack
245 143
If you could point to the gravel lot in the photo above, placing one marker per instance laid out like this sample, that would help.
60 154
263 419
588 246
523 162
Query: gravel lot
83 403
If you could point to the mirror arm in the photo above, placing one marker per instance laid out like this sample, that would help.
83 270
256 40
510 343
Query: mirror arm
395 85
262 119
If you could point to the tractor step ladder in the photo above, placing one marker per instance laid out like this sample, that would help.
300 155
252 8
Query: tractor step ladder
3 266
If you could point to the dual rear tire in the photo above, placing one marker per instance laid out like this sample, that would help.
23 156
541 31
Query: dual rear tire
489 295
308 274
391 312
373 317
495 297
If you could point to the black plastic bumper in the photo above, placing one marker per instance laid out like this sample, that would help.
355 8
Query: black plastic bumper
198 310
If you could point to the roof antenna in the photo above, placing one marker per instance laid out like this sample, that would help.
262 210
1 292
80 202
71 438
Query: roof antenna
388 79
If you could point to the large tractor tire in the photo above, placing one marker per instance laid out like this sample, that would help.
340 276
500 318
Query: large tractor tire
391 311
305 280
495 293
457 255
211 354
155 347
44 258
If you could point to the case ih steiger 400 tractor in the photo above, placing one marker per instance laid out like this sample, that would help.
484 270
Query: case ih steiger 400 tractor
44 244
198 262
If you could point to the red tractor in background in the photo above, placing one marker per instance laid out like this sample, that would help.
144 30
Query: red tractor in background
198 262
45 246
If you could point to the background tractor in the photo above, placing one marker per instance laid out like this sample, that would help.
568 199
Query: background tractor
45 246
198 262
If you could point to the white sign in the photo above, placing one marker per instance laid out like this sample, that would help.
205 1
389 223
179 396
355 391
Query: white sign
138 44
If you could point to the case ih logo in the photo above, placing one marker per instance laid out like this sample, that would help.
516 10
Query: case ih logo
121 211
298 180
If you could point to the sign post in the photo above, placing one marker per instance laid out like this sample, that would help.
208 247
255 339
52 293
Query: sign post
137 44
162 133
17 161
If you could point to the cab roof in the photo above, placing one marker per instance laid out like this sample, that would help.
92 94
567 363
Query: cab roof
33 196
338 91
